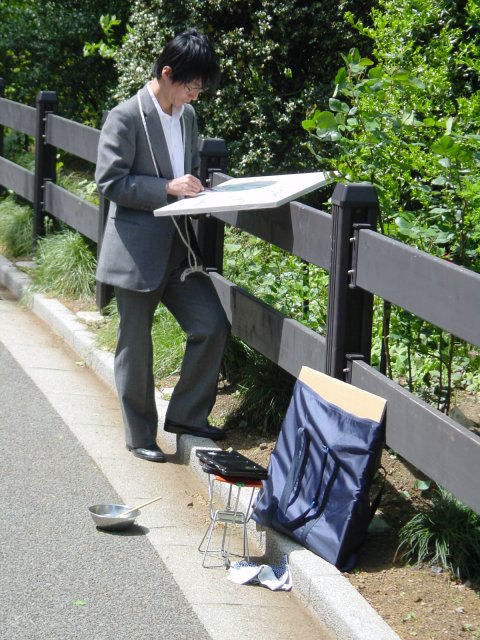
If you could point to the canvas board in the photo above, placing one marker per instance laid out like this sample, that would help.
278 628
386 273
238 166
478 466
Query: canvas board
239 194
360 403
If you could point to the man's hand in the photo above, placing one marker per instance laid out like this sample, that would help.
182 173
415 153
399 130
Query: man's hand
187 185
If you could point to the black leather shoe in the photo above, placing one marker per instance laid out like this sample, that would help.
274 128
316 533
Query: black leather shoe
152 453
202 432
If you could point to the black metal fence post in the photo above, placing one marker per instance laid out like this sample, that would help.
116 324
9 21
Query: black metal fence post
350 309
209 231
45 160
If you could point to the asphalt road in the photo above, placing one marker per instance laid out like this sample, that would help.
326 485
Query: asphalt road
60 577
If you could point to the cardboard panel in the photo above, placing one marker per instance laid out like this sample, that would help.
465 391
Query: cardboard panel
349 398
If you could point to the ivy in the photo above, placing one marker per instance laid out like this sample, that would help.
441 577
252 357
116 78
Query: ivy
405 118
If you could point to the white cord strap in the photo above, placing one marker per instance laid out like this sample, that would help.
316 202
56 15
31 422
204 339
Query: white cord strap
193 266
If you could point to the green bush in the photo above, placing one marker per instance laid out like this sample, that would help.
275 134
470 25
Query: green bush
16 228
276 57
41 48
406 120
295 288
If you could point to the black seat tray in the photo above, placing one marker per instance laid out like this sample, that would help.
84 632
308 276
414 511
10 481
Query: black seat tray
232 464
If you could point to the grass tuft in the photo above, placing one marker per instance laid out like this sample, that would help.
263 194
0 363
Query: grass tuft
447 534
66 266
16 228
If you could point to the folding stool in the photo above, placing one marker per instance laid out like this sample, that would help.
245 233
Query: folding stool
230 516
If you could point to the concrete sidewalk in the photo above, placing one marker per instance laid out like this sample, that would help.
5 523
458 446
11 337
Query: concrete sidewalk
175 525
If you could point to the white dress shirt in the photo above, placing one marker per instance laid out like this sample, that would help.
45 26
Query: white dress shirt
172 129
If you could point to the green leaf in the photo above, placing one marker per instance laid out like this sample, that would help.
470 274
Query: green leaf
375 72
232 247
79 603
341 76
416 82
354 56
409 118
357 68
449 124
443 145
401 75
325 120
372 124
423 485
334 136
308 125
338 105
404 220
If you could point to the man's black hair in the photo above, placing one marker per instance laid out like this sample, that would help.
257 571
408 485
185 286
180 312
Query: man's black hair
190 57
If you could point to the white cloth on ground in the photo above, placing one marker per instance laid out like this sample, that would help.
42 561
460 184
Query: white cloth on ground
275 578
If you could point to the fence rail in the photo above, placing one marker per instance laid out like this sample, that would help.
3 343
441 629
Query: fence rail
360 262
75 138
18 117
441 448
282 340
17 179
72 210
294 227
418 282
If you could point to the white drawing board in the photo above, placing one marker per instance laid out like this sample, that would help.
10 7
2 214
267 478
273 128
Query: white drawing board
247 193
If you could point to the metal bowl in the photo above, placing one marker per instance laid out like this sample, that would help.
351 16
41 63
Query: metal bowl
109 516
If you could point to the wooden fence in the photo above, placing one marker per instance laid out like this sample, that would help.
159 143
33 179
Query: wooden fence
361 263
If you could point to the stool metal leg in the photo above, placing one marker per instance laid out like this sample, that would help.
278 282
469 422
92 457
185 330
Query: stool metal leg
229 517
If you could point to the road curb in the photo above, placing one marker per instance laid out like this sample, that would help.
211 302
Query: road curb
326 591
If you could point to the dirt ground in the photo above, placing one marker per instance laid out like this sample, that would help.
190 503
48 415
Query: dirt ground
417 602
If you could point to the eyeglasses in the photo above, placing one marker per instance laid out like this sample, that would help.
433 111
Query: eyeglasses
190 90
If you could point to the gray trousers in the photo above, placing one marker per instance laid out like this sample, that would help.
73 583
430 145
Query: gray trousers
196 306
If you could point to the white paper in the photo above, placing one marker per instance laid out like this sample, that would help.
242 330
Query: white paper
248 193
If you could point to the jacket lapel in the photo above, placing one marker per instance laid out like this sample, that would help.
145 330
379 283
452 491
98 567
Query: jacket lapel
157 137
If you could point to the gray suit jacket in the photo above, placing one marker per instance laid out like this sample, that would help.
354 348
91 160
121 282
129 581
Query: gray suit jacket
136 245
